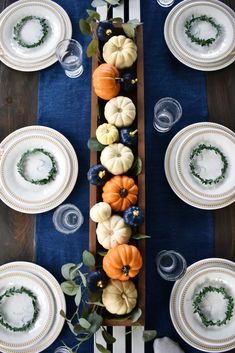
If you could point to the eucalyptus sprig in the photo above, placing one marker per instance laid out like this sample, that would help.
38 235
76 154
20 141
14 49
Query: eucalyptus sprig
88 316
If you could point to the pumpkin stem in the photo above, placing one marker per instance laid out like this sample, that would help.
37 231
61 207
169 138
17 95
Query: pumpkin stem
132 133
119 79
101 174
123 192
134 81
136 213
108 32
126 270
100 284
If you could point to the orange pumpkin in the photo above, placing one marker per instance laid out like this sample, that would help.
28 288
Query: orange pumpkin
105 81
120 192
122 262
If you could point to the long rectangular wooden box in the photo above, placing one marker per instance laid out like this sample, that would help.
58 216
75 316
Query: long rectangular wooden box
95 192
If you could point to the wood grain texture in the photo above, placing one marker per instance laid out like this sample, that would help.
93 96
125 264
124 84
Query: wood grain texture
18 108
221 106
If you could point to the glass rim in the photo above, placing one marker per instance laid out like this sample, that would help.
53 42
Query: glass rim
74 209
70 40
171 100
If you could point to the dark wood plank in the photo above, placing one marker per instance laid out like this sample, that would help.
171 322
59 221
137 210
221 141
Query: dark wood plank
18 108
221 105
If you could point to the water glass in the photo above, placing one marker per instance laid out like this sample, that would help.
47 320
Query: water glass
69 54
171 265
62 350
165 3
67 219
167 112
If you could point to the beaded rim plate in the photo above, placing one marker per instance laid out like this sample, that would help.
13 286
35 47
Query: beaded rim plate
23 191
203 66
58 297
175 306
40 208
21 340
226 143
171 174
204 54
40 64
215 277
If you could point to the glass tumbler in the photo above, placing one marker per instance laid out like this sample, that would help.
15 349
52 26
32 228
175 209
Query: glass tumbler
167 112
62 350
67 219
170 264
69 53
165 3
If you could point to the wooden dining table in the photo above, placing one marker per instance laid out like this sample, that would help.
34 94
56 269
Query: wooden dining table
18 108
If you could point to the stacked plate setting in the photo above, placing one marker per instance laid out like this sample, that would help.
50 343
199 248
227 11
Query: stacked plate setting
22 195
206 58
33 59
50 298
209 272
178 172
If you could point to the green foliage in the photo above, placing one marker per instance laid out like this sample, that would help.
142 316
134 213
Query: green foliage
137 166
140 236
94 145
149 335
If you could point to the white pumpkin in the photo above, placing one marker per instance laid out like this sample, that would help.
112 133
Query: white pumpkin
117 158
100 212
107 134
120 111
120 51
113 232
119 297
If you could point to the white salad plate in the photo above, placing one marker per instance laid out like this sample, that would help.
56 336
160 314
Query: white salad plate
61 144
171 173
18 309
226 268
32 59
24 191
58 301
209 163
184 56
214 304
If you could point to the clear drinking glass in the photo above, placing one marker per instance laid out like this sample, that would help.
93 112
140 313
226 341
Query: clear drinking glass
171 265
167 112
165 3
61 350
69 54
67 219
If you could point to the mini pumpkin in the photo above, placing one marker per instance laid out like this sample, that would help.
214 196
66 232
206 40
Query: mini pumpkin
120 51
120 192
119 297
107 134
105 83
117 158
128 136
133 216
97 280
122 262
100 212
120 111
113 232
105 30
97 175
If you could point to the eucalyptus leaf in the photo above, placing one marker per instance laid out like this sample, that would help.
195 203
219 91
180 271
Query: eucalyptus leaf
65 270
84 323
97 3
140 236
134 22
149 335
113 2
88 258
93 15
117 20
78 297
94 296
78 329
129 30
74 271
71 327
69 288
135 315
83 278
96 303
85 313
62 313
108 337
137 166
102 253
92 48
101 348
95 321
85 27
94 145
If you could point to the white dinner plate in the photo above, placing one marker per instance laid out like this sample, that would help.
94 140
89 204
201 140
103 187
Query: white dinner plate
171 174
225 142
59 303
196 268
181 56
214 277
221 48
27 207
21 64
14 306
20 189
